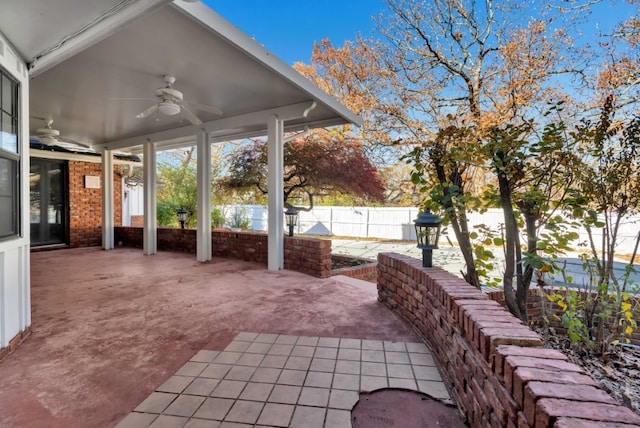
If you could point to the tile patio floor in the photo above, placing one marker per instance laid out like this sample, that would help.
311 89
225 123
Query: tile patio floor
276 380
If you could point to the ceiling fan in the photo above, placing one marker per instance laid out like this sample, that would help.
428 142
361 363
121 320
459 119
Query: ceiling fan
51 137
172 103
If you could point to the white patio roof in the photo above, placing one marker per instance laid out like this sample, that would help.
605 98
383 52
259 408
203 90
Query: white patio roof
85 55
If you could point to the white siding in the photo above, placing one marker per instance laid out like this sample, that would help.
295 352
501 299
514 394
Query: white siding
15 305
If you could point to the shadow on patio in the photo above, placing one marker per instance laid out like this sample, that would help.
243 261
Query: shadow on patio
109 327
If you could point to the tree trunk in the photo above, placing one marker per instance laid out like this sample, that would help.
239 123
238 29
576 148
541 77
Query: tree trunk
510 233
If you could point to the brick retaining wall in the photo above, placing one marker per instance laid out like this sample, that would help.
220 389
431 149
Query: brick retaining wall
306 255
496 368
367 271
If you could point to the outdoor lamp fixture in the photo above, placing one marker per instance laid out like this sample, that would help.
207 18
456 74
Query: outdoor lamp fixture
291 216
427 232
182 216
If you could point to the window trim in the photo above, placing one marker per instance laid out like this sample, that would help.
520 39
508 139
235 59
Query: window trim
15 158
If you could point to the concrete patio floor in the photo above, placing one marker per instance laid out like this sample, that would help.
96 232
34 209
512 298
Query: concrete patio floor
110 327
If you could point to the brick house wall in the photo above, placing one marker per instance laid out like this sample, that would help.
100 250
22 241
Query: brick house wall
498 372
85 205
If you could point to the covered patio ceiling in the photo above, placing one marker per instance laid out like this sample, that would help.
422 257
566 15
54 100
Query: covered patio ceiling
81 75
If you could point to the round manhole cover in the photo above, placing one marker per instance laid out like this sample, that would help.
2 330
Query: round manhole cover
401 408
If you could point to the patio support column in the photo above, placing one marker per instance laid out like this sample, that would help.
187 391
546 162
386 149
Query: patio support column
275 180
150 230
203 237
107 200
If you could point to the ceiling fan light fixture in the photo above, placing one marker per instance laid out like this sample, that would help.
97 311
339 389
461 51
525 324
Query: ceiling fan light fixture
169 108
49 140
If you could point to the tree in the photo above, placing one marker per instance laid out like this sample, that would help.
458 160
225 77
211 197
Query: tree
317 164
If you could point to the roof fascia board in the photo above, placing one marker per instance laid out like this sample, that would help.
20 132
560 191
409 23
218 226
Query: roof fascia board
109 24
46 154
216 23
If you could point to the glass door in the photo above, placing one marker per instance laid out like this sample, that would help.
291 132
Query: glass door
48 184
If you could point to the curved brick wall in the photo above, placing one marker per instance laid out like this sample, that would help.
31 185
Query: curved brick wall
497 370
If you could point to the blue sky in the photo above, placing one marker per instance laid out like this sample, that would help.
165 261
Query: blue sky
288 28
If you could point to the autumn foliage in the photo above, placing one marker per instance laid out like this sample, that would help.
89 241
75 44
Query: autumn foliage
318 164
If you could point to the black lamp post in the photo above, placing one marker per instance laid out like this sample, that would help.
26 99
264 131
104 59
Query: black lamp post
291 217
182 216
427 232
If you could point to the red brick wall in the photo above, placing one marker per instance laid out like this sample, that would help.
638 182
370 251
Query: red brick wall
307 255
496 368
85 205
367 271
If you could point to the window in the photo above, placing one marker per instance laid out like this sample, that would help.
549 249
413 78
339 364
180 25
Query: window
9 158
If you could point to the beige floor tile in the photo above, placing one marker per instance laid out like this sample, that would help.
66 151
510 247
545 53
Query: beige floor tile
348 367
266 338
318 397
216 371
246 336
372 345
156 402
214 408
326 352
137 420
396 357
226 357
184 405
191 368
308 341
400 370
201 423
403 383
256 391
240 373
329 342
322 365
350 343
422 359
319 379
342 399
285 394
418 348
373 369
234 425
349 354
201 386
274 361
373 356
303 351
298 363
308 417
427 373
228 389
394 346
433 389
252 360
346 381
266 375
286 339
245 412
372 383
237 346
204 356
166 421
292 377
175 384
259 348
276 415
279 349
338 419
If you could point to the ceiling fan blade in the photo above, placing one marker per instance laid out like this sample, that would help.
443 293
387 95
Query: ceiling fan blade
147 112
190 116
77 143
210 109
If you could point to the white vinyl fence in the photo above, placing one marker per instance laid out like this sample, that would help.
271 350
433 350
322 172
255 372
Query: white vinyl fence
381 223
